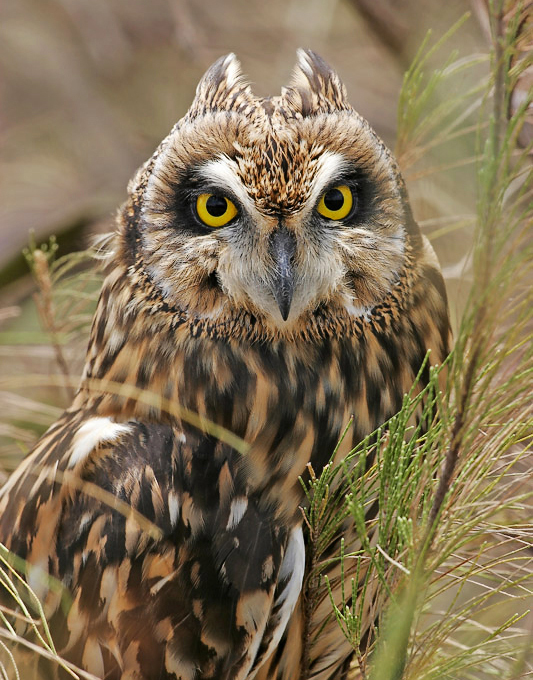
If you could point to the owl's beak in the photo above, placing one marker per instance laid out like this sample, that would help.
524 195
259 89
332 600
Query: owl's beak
282 249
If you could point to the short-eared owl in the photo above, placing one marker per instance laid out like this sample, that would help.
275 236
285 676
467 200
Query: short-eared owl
268 275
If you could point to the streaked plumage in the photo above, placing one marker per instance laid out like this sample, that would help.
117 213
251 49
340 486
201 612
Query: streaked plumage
277 326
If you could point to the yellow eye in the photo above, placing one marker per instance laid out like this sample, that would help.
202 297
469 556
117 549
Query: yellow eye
336 203
215 210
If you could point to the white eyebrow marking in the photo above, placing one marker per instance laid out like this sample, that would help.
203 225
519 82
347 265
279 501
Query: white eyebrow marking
223 173
330 166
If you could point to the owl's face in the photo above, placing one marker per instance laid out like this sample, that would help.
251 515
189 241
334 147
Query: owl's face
276 207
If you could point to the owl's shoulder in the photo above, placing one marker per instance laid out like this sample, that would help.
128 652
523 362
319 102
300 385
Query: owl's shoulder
87 463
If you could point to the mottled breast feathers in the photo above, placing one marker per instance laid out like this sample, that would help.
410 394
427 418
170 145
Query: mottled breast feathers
267 281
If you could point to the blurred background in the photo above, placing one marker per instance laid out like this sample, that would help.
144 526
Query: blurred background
88 88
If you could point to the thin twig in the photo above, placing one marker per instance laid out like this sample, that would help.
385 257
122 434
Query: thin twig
45 305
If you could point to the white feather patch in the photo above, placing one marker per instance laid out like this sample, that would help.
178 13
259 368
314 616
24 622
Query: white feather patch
173 508
92 433
359 312
38 577
292 568
292 572
237 510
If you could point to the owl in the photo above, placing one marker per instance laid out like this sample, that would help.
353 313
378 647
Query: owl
266 282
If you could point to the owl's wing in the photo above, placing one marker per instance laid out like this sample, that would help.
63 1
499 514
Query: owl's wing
171 565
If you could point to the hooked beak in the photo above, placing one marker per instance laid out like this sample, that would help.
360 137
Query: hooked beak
282 249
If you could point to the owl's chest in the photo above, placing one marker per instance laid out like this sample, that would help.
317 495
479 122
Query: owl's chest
292 401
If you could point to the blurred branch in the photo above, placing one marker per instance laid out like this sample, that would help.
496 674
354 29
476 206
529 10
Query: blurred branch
384 19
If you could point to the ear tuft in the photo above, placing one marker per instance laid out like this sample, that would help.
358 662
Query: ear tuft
221 88
315 87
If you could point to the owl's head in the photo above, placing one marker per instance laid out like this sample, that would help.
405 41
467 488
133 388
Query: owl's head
275 208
